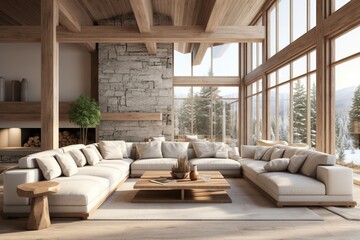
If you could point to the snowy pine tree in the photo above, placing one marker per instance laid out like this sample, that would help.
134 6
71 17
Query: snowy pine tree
313 115
299 111
354 118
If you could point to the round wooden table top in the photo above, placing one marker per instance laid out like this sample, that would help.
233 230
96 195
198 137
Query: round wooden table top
35 189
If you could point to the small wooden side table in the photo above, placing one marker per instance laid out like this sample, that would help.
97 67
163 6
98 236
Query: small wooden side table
39 217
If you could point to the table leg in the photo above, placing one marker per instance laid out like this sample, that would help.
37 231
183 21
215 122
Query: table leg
39 216
182 194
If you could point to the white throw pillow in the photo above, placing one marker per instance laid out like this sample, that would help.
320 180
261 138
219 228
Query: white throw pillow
92 157
204 149
159 138
174 149
149 150
277 153
78 157
277 165
220 150
296 162
233 153
49 167
190 138
112 149
67 164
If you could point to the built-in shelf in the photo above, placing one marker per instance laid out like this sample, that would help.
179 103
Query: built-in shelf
19 150
131 116
29 111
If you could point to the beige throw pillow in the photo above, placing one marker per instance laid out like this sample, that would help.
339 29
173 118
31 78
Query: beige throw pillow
277 165
78 157
248 151
233 153
49 167
112 149
159 138
267 155
204 149
67 164
91 155
277 153
296 162
149 150
260 152
174 149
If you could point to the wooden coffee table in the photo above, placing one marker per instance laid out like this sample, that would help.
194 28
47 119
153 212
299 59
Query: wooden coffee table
183 190
39 216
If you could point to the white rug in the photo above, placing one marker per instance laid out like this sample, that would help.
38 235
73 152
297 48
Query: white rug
345 212
248 204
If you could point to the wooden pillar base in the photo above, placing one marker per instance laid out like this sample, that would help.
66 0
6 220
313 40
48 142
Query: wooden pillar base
39 216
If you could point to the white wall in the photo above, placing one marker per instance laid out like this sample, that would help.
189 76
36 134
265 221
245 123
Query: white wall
23 60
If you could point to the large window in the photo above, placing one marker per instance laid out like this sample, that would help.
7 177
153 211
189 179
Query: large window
292 101
209 112
255 51
346 72
219 61
287 21
254 112
336 4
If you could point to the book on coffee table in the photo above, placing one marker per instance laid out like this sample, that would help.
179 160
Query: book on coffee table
162 180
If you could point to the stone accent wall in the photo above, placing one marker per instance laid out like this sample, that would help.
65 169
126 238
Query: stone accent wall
131 80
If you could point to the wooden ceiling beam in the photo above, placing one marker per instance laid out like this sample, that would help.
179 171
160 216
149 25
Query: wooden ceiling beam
143 12
215 18
67 18
163 34
16 34
178 13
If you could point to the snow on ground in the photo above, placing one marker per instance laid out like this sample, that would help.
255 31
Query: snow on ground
352 156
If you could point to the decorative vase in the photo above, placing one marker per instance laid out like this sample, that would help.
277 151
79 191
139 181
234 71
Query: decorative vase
24 90
2 89
194 175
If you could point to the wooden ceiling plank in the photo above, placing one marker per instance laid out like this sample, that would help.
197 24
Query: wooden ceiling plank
215 18
144 18
163 34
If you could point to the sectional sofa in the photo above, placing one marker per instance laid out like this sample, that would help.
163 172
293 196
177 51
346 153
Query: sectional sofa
89 174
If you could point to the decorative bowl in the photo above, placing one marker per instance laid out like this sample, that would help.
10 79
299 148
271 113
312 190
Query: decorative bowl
176 175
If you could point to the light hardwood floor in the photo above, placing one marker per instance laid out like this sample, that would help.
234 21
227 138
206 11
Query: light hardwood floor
333 227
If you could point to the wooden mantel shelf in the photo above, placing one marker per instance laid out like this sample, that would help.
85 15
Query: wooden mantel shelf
29 111
131 116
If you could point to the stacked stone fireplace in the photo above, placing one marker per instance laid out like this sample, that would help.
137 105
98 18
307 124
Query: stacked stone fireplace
131 80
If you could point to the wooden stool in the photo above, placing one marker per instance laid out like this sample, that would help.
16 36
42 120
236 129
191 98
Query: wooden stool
39 216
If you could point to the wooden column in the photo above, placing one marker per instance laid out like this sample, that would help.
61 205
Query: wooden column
49 75
242 97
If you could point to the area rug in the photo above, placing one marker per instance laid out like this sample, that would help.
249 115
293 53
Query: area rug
248 204
347 213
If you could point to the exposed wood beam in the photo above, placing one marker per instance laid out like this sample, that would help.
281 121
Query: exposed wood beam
163 34
67 18
178 13
215 18
49 75
144 17
211 81
20 34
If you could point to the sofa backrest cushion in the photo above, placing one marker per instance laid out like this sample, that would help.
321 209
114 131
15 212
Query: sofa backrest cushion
113 149
277 153
260 152
289 151
149 149
72 147
248 151
79 157
314 159
30 160
49 167
174 149
208 149
131 150
67 164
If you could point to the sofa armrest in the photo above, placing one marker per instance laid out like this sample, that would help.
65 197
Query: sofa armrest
13 178
338 180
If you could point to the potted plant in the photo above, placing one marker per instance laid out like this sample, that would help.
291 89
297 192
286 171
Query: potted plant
85 113
181 169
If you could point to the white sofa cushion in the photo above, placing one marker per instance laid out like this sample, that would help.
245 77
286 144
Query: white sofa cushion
252 168
49 167
92 157
79 190
285 183
277 153
296 161
174 149
313 160
73 147
67 164
112 174
149 150
30 160
78 157
277 165
213 164
208 149
248 151
156 164
112 149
